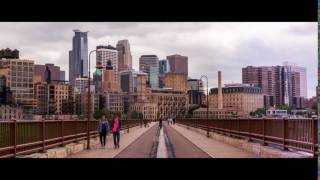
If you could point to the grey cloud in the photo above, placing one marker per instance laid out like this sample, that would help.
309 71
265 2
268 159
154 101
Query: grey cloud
209 46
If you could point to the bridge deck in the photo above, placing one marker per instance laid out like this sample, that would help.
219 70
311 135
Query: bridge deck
109 151
213 147
176 141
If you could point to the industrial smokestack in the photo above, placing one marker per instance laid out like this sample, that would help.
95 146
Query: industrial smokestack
220 105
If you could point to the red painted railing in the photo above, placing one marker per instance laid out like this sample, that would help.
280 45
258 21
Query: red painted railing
25 137
296 134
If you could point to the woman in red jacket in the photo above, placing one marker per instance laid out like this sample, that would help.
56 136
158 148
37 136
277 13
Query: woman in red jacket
115 128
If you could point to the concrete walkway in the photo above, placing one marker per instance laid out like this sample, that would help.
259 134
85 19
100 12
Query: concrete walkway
142 147
182 147
212 147
109 151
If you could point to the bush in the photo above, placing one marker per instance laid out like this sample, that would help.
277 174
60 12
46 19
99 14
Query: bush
98 114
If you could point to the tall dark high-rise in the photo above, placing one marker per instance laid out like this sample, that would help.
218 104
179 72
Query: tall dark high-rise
78 56
178 64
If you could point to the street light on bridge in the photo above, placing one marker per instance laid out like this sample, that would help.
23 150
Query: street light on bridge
204 76
89 99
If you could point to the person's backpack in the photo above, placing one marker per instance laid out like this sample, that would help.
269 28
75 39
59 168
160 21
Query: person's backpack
104 128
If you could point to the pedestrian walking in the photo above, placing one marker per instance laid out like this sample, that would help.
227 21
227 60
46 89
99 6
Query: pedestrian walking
115 127
145 123
160 123
174 120
103 129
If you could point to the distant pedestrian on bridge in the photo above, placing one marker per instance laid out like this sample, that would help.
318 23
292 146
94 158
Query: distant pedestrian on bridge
115 127
146 123
160 123
174 120
103 129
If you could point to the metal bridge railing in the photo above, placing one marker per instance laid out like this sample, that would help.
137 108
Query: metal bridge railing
25 137
297 134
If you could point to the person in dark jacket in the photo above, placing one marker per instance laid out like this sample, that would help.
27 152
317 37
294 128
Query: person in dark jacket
160 123
103 129
115 128
145 123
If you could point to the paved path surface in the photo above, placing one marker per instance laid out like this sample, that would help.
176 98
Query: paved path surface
181 146
142 147
214 148
109 152
172 141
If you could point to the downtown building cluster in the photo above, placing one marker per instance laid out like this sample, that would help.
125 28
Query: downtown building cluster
161 88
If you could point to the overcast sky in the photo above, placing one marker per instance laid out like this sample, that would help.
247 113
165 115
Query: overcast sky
210 46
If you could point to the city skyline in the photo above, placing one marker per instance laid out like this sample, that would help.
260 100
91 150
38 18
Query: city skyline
209 46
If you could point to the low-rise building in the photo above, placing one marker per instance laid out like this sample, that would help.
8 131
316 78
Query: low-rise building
158 103
273 112
176 81
54 98
8 113
244 98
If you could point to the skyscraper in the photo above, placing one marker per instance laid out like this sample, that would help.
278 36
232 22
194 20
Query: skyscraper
105 54
78 56
124 55
150 64
128 81
178 64
302 76
280 84
164 67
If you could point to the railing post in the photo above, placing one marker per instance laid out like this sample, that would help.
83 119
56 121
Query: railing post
249 129
62 132
238 120
315 137
76 130
141 123
43 134
14 134
128 128
264 131
230 121
284 130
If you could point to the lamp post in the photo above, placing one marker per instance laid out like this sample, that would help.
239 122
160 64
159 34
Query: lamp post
89 98
204 76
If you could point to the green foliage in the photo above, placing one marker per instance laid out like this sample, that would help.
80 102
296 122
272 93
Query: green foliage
258 112
98 114
193 108
134 115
